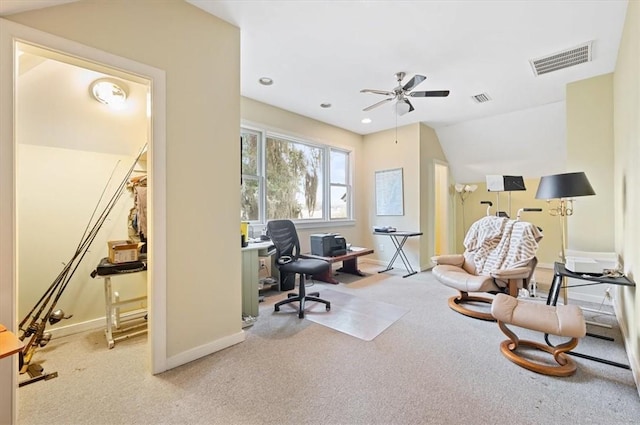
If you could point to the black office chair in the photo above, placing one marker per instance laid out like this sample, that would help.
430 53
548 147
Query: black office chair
284 236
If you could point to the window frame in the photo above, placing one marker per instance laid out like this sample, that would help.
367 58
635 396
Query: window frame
259 170
263 133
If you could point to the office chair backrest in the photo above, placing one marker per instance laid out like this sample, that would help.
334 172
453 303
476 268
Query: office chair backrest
284 236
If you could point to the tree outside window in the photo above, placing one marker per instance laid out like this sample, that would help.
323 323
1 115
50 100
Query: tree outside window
286 178
293 180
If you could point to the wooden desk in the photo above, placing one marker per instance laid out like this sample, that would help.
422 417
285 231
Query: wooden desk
349 264
251 278
9 343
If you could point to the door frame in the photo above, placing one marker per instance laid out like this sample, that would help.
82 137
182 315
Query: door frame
10 33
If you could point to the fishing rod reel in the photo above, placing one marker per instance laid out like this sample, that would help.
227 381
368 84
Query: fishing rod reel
58 315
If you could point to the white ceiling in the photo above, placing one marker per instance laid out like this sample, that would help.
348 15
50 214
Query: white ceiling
327 51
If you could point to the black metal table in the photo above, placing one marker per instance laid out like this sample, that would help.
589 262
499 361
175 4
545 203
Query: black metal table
559 273
399 238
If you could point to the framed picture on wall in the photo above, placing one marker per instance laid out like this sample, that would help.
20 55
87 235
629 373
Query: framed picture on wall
389 192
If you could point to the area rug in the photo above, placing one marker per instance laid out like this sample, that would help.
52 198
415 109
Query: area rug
358 317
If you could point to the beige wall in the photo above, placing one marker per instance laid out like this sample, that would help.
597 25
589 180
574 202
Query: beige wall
626 187
202 129
382 152
430 151
414 148
590 149
263 116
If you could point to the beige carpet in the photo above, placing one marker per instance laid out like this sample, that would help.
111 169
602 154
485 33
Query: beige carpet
432 366
355 316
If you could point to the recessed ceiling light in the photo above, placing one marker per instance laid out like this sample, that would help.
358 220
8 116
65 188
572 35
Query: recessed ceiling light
325 105
265 81
109 91
366 121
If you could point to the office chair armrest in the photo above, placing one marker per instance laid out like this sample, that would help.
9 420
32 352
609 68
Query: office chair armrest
449 259
514 273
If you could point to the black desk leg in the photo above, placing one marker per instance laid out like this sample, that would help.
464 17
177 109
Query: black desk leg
399 253
552 299
588 357
554 291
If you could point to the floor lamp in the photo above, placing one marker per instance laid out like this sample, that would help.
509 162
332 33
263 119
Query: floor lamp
464 190
564 187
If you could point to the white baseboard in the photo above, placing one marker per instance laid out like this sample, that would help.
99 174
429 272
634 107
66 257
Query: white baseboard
177 360
633 361
372 261
205 350
94 324
579 296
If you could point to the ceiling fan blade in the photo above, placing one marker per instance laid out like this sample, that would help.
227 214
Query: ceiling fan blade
413 82
375 105
410 105
383 92
434 93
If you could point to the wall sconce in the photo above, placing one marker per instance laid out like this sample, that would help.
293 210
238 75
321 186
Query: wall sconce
112 93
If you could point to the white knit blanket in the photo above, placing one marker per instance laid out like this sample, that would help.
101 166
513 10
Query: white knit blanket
497 243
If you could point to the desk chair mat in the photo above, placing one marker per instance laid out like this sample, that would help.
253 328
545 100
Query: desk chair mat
359 317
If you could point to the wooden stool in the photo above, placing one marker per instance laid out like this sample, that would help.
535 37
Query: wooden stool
562 320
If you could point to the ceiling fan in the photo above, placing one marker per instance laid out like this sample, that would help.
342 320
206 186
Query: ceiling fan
401 93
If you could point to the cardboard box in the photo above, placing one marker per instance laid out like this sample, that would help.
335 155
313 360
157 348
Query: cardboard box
122 251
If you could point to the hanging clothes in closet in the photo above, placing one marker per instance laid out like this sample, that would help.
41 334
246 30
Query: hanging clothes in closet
138 214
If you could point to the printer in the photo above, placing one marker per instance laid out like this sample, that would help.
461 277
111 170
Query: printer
328 245
590 262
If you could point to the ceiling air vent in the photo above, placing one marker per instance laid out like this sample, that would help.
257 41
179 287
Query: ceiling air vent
481 98
561 60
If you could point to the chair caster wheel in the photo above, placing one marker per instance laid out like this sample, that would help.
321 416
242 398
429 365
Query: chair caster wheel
277 308
328 307
301 315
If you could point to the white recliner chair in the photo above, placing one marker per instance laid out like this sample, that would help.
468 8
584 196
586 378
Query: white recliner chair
499 257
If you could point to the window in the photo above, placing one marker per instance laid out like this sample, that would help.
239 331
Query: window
339 166
251 181
288 178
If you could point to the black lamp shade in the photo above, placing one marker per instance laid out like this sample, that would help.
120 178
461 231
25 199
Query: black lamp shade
568 185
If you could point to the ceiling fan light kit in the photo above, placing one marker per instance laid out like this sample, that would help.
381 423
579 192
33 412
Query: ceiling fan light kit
401 93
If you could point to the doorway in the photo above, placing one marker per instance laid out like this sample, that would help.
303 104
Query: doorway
442 225
74 155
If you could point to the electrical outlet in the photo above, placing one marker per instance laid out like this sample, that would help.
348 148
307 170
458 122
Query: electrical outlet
263 264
